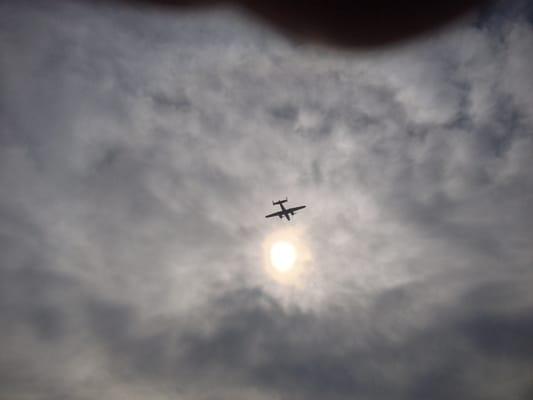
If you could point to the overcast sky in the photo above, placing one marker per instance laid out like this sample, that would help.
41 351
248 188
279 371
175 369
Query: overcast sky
140 151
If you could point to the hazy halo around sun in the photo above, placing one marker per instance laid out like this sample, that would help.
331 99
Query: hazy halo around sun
287 257
283 255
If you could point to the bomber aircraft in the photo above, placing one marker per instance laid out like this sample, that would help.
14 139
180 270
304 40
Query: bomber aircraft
285 212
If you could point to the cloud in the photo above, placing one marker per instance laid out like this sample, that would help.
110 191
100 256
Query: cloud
139 155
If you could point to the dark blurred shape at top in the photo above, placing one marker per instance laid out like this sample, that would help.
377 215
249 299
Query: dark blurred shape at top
346 23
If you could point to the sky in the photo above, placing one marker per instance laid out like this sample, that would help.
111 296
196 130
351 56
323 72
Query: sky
141 149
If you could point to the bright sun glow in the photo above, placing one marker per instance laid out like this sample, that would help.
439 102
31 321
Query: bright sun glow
282 256
287 257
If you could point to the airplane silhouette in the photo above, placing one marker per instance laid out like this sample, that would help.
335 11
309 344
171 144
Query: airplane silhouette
285 212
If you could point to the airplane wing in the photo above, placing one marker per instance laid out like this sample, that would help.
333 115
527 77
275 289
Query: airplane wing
295 208
276 214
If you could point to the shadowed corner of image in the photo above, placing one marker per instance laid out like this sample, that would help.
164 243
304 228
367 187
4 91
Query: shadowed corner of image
342 23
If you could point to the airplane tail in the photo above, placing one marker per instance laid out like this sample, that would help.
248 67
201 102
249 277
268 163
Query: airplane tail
279 202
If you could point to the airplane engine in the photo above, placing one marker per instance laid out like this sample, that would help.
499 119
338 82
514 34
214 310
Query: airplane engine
281 216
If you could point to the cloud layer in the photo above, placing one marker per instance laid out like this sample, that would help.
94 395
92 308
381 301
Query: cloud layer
139 153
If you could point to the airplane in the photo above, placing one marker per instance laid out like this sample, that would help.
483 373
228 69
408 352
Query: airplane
285 212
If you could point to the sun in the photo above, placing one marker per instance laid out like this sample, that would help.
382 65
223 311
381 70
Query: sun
286 256
283 256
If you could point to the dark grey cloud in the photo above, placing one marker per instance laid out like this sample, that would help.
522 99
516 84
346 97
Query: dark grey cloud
140 151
